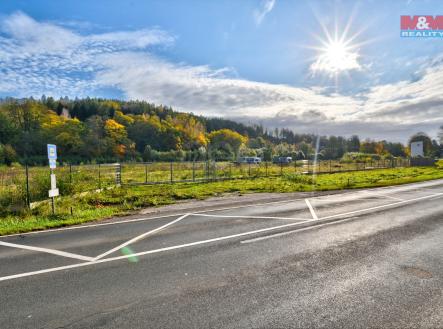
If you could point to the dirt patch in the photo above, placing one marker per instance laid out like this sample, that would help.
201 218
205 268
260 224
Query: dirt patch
417 272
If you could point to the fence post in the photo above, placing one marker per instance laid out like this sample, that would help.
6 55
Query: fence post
99 178
118 174
266 168
70 173
330 166
28 197
146 173
230 170
281 168
172 178
193 170
249 169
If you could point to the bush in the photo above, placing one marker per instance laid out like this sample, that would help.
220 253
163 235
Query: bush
299 178
359 157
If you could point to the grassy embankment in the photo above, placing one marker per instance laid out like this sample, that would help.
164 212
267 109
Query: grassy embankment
124 200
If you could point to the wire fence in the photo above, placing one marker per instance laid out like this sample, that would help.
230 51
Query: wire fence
20 187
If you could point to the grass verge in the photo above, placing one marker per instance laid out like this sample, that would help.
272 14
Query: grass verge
124 200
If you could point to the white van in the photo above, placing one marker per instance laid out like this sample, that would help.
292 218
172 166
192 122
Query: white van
254 160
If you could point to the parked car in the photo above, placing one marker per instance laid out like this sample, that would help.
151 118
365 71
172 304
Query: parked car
254 160
282 160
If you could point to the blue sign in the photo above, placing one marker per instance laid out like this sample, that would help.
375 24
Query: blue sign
52 152
52 163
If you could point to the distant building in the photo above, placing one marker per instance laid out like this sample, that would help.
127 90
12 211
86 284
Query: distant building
417 149
65 113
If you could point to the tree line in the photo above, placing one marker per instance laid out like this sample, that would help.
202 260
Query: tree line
105 130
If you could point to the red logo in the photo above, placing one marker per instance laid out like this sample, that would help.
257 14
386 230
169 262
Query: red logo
423 22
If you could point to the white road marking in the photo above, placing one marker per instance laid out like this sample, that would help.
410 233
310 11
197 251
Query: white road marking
129 221
252 217
90 225
383 206
46 250
141 236
105 260
275 235
338 221
396 187
311 209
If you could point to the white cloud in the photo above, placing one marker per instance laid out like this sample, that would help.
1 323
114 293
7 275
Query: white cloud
35 37
79 64
40 57
266 7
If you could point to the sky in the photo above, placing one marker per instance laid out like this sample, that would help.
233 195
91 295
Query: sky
323 67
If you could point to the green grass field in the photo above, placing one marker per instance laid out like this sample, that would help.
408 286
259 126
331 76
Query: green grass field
124 200
72 180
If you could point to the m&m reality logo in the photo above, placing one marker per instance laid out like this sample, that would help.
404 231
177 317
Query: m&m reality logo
424 26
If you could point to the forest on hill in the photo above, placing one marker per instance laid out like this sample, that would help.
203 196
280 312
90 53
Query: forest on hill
103 130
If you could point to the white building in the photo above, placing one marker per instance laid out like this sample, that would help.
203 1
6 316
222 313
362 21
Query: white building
417 149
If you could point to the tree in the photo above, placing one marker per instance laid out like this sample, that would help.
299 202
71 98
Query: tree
7 154
226 140
440 136
353 144
395 149
7 130
69 137
368 146
115 130
379 148
123 119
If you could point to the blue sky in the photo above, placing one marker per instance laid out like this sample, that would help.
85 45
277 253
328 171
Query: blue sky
250 60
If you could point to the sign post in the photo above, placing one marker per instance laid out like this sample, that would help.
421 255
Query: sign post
52 157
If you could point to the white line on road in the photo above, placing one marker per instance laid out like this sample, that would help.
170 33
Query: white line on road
252 217
141 236
129 221
396 187
382 206
105 260
296 230
46 250
76 227
339 221
311 209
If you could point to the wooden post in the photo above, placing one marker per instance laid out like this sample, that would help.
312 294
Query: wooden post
28 198
99 178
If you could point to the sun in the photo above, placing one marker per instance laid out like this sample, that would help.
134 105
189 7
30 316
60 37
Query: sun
338 49
336 56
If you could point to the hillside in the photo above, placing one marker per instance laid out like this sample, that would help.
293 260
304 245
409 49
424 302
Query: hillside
103 130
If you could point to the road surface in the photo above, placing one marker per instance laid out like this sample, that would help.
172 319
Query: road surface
357 259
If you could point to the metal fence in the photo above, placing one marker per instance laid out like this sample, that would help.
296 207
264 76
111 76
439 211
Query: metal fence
180 172
21 186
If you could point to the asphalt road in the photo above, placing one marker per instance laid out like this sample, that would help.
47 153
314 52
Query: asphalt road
356 259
